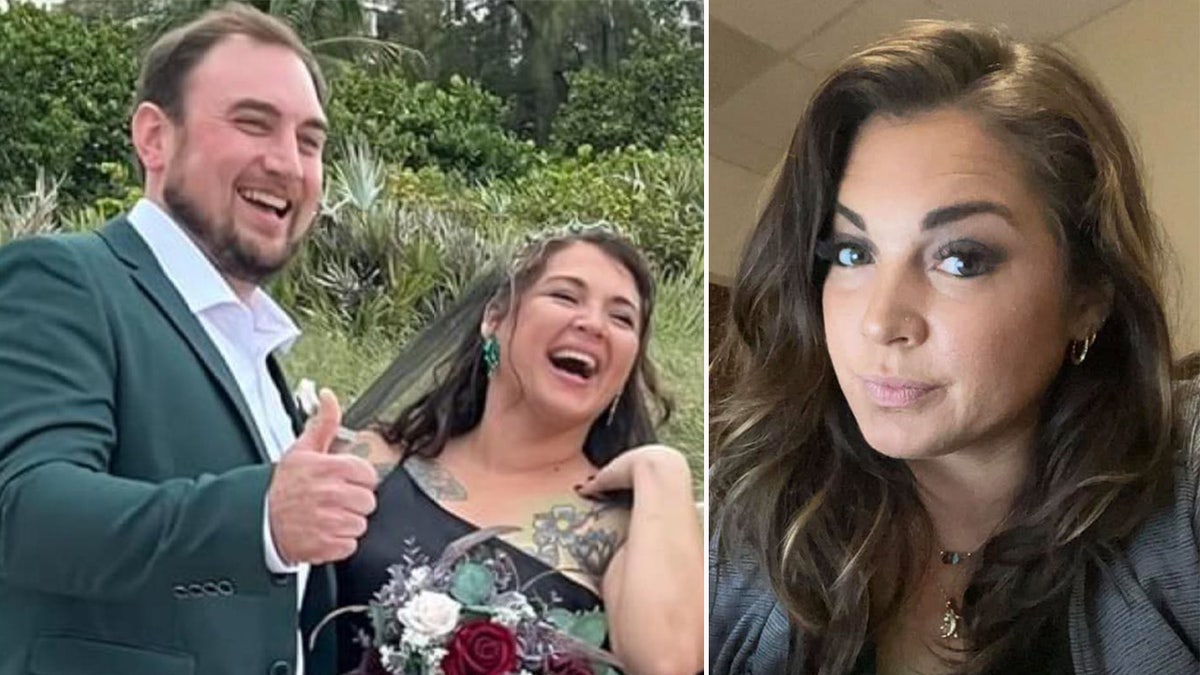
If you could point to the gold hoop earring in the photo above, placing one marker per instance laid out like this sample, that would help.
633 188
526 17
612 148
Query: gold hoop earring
1079 348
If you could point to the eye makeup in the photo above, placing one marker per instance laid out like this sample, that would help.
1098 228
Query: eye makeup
963 258
967 258
844 251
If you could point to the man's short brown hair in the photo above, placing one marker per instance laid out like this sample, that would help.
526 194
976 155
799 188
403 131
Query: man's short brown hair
173 56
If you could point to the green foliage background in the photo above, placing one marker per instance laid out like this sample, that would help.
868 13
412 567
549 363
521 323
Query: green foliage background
66 87
427 181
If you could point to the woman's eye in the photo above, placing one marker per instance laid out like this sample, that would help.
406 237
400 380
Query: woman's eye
624 320
965 261
852 256
844 253
563 295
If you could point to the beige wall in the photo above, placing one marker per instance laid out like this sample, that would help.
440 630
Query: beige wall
1147 56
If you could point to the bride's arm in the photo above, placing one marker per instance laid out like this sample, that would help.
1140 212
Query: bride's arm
653 588
369 445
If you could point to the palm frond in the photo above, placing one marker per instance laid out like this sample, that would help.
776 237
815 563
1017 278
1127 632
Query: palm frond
31 213
381 54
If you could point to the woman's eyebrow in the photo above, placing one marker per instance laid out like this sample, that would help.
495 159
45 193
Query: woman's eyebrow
955 212
940 216
852 216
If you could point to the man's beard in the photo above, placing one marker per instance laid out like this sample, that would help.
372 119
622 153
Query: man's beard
233 256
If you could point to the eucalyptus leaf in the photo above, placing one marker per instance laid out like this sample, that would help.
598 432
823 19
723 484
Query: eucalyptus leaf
590 627
473 584
561 618
478 612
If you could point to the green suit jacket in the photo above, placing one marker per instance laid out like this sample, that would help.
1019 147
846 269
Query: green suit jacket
132 479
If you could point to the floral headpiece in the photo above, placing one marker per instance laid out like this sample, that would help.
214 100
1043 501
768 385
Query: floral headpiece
533 244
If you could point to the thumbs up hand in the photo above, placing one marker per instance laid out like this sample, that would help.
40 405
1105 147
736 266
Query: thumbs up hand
319 501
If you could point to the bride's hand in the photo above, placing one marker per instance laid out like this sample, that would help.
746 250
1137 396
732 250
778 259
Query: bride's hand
644 462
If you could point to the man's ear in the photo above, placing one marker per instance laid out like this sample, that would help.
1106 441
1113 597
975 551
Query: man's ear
152 132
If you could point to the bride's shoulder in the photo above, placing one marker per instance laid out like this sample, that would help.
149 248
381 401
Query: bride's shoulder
370 445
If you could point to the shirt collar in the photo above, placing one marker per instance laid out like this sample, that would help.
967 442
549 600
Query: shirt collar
199 283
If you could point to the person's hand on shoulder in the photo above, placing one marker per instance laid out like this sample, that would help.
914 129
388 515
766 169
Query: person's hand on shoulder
646 462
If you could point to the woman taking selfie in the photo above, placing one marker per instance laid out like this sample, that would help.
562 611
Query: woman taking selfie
954 442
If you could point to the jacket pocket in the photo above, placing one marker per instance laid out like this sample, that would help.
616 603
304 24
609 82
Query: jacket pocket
65 655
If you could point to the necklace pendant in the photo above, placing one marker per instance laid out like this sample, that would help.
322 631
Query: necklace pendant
953 557
951 620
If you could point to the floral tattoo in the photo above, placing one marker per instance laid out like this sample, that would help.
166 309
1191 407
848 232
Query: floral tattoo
363 450
565 529
436 481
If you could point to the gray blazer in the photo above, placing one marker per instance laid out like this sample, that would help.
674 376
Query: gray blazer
1136 613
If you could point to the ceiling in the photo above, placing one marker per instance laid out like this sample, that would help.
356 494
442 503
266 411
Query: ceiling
766 56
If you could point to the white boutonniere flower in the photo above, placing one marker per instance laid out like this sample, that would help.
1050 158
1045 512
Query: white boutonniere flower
306 397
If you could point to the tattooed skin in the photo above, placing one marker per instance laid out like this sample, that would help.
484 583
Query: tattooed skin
436 481
362 449
577 539
572 536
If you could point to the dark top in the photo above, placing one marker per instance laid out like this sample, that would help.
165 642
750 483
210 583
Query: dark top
1047 656
1134 612
405 514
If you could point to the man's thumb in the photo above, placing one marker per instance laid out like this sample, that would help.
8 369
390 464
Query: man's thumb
322 427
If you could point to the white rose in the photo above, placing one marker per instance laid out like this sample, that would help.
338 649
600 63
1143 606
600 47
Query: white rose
429 615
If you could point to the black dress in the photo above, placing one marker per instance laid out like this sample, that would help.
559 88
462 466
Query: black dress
404 515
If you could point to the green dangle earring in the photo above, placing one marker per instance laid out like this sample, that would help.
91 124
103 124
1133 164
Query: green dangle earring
491 355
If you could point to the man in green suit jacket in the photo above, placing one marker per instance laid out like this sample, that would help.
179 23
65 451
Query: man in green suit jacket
160 503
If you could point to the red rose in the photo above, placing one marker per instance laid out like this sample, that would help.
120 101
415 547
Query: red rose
556 664
481 648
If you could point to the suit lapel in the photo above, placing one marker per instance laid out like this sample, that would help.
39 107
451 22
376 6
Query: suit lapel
289 403
128 245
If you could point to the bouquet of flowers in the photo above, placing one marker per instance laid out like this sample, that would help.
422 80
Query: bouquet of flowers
467 614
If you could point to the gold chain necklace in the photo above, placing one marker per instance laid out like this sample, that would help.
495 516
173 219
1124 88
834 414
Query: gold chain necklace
952 619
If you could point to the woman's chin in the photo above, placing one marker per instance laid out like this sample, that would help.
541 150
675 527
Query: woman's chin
901 444
561 412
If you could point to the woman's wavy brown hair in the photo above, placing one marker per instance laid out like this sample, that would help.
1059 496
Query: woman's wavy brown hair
793 480
440 381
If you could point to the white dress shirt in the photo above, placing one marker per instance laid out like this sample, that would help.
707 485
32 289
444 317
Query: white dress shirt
244 333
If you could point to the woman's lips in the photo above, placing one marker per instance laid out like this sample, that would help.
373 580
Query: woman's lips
894 392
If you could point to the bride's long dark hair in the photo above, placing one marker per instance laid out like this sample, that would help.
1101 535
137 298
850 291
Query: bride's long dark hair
795 483
435 389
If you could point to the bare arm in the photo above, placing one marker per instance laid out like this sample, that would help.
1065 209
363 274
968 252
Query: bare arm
370 446
654 587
